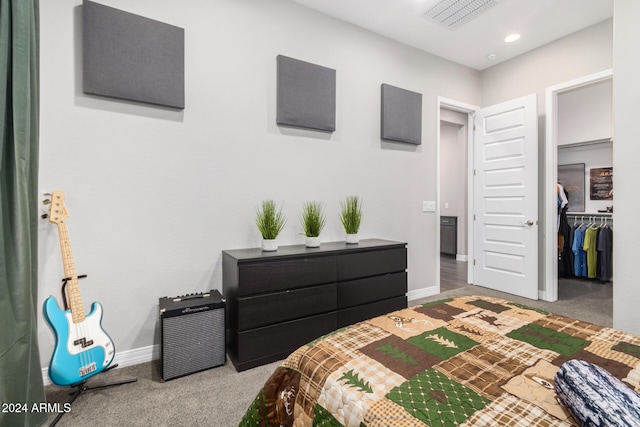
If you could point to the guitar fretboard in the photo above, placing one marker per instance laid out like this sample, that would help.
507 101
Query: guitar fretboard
73 289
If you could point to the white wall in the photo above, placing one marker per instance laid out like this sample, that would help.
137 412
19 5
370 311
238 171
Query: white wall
626 92
579 54
156 194
584 114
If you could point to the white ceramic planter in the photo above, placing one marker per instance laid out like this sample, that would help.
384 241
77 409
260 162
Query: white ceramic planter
352 239
269 245
312 242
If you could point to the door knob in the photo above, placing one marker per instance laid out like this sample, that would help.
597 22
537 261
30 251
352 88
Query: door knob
527 222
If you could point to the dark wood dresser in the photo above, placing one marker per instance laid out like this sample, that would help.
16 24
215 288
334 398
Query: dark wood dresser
278 301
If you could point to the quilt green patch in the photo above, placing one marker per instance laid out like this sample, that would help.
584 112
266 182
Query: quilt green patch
548 339
252 416
353 379
442 343
436 400
322 418
396 353
627 348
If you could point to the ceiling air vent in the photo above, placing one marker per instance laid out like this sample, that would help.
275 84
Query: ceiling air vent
455 13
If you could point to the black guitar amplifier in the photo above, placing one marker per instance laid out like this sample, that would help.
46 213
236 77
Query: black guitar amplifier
192 333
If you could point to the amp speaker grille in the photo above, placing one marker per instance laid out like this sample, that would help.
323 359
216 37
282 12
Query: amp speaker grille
192 342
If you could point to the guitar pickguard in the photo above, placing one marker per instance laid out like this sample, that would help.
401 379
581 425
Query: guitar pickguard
87 334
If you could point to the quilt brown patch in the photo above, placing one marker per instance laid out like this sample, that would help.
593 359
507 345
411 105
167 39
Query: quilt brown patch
615 368
400 357
535 385
406 323
604 342
481 369
509 411
385 413
278 397
442 311
573 327
315 365
488 305
352 339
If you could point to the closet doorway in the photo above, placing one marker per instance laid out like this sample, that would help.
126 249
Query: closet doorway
579 159
453 204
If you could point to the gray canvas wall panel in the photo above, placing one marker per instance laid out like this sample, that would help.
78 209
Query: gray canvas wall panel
306 95
401 115
131 57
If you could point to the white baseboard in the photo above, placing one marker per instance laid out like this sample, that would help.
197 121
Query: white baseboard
123 359
462 258
422 293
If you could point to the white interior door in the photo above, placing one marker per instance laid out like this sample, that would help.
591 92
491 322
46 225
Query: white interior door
506 197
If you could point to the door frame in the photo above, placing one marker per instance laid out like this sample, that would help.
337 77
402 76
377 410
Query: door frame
470 110
550 291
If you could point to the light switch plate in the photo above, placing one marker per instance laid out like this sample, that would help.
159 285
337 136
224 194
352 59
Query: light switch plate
428 206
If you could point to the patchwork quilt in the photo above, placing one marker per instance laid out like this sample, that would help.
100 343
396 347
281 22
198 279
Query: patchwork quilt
466 361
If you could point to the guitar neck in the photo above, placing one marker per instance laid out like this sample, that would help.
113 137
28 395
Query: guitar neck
72 287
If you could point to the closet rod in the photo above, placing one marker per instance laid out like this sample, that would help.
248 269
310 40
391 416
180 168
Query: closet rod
598 214
585 143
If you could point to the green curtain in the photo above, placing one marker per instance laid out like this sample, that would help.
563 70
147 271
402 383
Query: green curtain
20 373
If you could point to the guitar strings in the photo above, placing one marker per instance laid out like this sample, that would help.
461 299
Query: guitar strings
73 296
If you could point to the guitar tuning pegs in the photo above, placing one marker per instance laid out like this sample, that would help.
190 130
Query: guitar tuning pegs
46 201
44 216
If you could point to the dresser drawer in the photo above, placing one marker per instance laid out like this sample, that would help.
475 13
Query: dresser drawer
362 291
357 314
281 275
371 263
284 337
278 307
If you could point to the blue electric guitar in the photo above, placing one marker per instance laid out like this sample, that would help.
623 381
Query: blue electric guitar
83 349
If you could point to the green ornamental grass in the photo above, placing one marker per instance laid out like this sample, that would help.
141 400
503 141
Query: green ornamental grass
269 220
313 218
351 214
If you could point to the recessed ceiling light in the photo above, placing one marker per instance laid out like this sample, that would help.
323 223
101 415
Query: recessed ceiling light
491 56
511 38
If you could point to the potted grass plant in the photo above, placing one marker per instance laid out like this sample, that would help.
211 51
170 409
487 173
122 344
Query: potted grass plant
270 222
313 220
351 216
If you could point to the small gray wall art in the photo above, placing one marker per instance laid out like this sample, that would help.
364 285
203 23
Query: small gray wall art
401 115
131 57
306 95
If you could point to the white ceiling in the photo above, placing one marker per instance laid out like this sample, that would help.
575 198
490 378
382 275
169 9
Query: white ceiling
538 21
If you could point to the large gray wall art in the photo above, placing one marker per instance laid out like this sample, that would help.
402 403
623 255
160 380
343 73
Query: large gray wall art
306 95
401 115
131 57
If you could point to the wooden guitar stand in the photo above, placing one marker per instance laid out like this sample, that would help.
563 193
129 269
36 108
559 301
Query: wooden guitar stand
78 388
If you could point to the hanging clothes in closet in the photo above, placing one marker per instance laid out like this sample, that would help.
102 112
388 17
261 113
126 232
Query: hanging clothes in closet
579 255
565 264
591 246
604 247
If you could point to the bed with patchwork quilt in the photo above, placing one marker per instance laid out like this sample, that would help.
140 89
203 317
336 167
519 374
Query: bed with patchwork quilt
468 361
